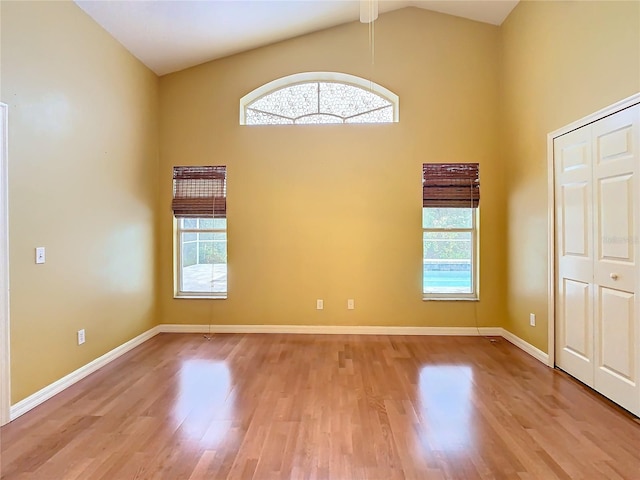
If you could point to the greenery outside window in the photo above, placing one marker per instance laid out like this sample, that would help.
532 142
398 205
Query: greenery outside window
449 231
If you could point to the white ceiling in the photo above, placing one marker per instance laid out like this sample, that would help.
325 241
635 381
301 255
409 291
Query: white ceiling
171 35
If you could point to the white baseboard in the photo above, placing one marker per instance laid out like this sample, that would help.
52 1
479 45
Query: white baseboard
527 347
65 382
361 330
332 330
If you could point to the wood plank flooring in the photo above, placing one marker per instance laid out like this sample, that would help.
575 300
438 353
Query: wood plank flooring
323 407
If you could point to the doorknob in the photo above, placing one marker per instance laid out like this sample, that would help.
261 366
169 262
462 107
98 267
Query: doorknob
613 276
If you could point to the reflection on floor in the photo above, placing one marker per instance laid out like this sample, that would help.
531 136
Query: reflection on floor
323 407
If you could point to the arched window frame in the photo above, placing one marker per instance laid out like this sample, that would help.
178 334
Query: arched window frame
308 77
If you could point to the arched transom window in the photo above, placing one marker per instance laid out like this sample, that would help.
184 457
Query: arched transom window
319 97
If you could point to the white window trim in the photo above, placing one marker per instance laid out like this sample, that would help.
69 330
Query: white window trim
475 263
178 292
306 77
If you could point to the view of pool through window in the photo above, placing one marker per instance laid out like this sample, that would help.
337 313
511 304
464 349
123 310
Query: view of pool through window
448 236
446 281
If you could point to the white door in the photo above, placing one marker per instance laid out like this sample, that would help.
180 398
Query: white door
574 249
5 381
597 195
617 237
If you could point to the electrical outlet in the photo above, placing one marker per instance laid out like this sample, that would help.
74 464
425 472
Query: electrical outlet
319 304
351 304
81 337
532 319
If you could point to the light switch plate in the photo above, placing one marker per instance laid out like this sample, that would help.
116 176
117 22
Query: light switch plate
40 255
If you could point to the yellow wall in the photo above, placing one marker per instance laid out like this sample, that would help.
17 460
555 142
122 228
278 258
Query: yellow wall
314 211
83 175
334 212
561 61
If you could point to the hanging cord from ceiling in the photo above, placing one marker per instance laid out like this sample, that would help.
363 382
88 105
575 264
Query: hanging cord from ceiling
368 15
208 335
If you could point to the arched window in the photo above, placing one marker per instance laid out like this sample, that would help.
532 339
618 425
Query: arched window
319 97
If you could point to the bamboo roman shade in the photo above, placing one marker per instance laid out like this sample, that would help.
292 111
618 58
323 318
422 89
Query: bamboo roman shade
450 185
200 191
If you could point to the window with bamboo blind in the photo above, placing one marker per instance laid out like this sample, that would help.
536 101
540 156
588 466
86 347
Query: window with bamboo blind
450 201
200 208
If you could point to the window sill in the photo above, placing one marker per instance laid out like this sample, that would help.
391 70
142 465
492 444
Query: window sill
450 299
200 297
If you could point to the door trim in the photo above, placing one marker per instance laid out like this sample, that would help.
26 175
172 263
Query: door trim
5 370
551 184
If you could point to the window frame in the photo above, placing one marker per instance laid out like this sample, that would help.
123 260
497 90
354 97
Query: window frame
307 77
179 292
474 294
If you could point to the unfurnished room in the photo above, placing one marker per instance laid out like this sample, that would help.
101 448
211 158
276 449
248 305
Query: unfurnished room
320 239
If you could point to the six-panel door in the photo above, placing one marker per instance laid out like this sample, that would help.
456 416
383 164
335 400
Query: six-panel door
597 199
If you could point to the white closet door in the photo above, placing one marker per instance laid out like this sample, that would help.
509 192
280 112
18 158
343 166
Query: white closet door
575 254
617 237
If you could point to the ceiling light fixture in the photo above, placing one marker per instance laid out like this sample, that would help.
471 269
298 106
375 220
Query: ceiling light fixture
368 10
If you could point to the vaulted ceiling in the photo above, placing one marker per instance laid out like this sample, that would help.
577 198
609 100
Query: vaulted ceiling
171 35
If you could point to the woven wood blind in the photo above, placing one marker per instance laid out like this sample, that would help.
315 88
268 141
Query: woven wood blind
450 185
200 192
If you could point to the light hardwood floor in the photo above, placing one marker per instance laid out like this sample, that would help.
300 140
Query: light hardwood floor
323 407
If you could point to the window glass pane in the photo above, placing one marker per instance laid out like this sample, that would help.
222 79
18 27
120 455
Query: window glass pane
447 262
189 249
447 217
346 100
384 115
317 119
188 222
212 223
258 118
291 102
205 223
220 223
204 264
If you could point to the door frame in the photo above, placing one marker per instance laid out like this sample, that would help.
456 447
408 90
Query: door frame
551 213
5 370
